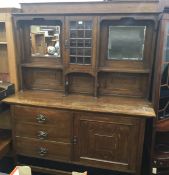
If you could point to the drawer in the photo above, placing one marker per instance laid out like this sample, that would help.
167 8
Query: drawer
62 132
43 149
42 115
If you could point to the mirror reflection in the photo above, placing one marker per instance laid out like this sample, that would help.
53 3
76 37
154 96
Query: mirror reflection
45 40
126 42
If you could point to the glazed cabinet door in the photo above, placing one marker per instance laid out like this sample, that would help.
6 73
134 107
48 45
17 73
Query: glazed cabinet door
107 141
80 42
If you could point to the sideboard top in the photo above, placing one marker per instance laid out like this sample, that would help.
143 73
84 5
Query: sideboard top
10 10
117 105
94 7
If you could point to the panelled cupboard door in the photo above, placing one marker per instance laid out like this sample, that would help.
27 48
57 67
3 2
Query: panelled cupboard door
108 141
80 42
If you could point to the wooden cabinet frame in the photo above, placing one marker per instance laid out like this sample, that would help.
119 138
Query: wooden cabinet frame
123 87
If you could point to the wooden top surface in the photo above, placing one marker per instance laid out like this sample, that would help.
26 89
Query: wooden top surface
10 10
116 105
120 6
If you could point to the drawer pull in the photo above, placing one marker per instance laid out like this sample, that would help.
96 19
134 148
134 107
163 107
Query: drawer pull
42 134
41 118
42 151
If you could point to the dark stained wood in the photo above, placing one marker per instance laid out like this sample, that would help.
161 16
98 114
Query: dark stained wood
79 67
57 124
49 171
5 142
95 113
107 142
100 7
124 70
59 132
123 84
43 149
81 83
52 116
120 105
44 79
42 65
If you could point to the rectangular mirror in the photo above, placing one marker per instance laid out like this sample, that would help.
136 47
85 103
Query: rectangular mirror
45 40
126 42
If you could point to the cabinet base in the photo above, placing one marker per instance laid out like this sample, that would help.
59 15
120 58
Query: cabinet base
47 167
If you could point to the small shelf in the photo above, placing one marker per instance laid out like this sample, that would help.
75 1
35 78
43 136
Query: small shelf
42 65
3 43
124 70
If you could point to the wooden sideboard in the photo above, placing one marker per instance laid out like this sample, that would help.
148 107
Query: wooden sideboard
85 85
8 73
103 133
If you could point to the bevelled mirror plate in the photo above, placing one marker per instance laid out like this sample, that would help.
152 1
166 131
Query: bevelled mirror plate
45 40
126 42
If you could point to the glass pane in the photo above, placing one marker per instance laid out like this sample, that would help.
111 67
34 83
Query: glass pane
80 34
88 43
88 52
72 43
87 60
72 51
80 42
73 34
126 42
45 40
88 25
73 25
88 34
80 60
80 25
72 59
80 51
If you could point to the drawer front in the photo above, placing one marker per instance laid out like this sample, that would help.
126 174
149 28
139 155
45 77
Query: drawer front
61 132
42 115
43 149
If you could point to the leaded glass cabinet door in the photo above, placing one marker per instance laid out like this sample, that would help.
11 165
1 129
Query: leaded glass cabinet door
80 43
163 106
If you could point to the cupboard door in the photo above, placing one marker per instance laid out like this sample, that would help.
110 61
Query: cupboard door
80 41
107 141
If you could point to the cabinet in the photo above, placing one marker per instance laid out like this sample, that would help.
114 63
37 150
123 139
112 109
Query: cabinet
8 73
105 140
49 136
8 63
85 80
161 98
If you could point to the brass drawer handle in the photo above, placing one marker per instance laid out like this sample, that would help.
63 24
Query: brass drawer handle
42 151
41 118
42 134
